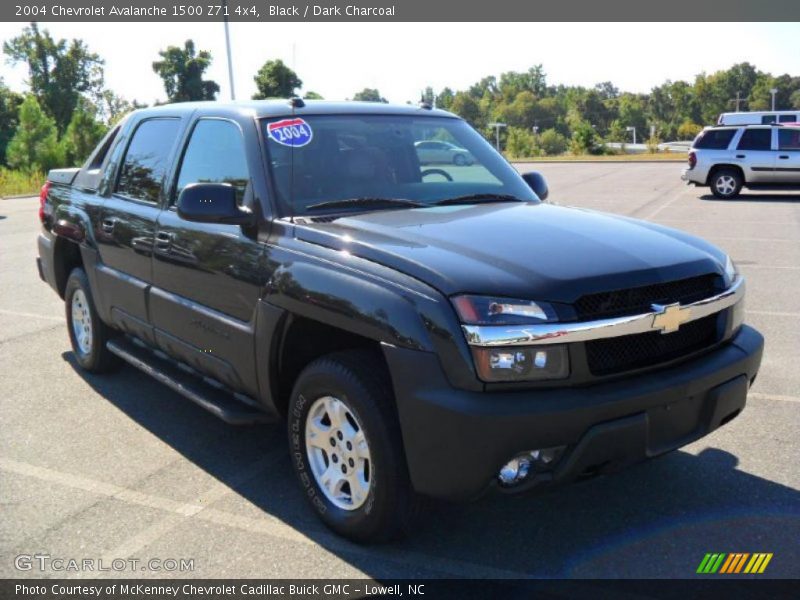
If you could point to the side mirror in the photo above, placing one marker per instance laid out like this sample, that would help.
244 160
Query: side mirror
212 203
536 182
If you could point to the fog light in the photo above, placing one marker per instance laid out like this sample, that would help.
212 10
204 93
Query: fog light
515 470
524 363
546 458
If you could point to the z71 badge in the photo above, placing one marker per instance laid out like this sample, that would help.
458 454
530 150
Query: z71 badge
290 132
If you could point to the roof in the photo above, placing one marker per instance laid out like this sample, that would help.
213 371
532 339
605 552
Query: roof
283 107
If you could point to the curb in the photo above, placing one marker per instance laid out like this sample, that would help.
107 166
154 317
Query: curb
600 162
30 195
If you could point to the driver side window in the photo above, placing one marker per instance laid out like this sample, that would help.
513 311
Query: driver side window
215 154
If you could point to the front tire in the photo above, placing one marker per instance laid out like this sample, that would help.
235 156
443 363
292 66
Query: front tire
726 183
87 333
347 450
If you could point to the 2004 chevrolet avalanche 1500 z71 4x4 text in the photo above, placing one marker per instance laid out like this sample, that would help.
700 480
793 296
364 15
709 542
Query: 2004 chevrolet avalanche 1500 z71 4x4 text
425 331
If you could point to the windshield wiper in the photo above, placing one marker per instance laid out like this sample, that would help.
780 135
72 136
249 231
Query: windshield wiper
470 198
365 203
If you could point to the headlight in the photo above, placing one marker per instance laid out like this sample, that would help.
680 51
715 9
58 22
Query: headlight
522 363
730 270
485 310
518 363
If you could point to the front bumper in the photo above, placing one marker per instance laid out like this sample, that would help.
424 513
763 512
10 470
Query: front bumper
456 441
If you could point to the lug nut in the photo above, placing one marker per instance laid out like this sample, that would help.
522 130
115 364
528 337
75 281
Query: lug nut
333 442
349 446
335 458
339 435
344 469
351 462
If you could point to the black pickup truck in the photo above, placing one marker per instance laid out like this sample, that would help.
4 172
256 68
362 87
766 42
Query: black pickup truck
427 330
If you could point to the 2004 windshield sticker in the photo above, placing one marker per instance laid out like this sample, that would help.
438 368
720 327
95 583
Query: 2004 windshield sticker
290 132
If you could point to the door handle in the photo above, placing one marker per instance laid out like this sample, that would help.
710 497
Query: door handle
164 239
108 225
784 157
740 156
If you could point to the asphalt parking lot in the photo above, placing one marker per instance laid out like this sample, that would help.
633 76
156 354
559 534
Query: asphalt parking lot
120 467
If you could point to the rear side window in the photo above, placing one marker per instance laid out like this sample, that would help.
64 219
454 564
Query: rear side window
768 119
145 162
756 139
215 154
789 139
715 139
787 119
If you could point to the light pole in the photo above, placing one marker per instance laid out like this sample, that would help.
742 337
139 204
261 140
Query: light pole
228 47
773 91
497 127
633 129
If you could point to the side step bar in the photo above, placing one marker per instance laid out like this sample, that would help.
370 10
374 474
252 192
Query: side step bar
222 404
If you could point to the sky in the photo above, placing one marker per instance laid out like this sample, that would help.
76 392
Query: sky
401 59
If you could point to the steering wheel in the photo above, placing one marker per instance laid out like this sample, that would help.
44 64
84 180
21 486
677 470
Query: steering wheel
441 172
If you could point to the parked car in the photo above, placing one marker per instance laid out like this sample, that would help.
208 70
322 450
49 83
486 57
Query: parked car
422 335
759 117
753 156
432 151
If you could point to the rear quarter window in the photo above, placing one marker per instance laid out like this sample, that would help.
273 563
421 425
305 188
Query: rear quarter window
715 139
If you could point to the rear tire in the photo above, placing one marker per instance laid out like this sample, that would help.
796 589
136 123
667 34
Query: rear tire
87 332
460 160
347 449
726 183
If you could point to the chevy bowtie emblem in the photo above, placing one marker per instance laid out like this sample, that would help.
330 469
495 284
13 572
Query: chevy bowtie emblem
669 318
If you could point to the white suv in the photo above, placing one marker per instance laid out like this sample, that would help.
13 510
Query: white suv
756 156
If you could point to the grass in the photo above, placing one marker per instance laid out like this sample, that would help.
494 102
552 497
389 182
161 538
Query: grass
646 156
17 183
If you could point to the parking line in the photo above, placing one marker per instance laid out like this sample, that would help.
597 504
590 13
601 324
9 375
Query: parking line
778 397
268 524
772 313
16 313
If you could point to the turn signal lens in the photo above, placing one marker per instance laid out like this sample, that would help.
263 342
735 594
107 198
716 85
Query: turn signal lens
534 363
43 200
485 310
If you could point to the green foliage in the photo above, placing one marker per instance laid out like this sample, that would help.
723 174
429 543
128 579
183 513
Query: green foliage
9 109
16 183
59 72
35 142
182 71
445 99
369 95
83 134
313 96
689 130
275 80
652 144
521 143
584 139
552 142
466 107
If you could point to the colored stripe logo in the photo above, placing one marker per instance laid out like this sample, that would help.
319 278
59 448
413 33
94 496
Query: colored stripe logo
736 562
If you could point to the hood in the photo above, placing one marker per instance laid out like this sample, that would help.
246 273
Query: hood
519 250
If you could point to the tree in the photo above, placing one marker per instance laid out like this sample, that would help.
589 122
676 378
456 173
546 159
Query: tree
83 133
182 71
688 130
521 143
35 143
465 106
584 139
9 110
312 96
59 71
114 107
552 142
369 95
275 80
445 99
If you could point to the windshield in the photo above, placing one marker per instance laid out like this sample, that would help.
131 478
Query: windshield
323 159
